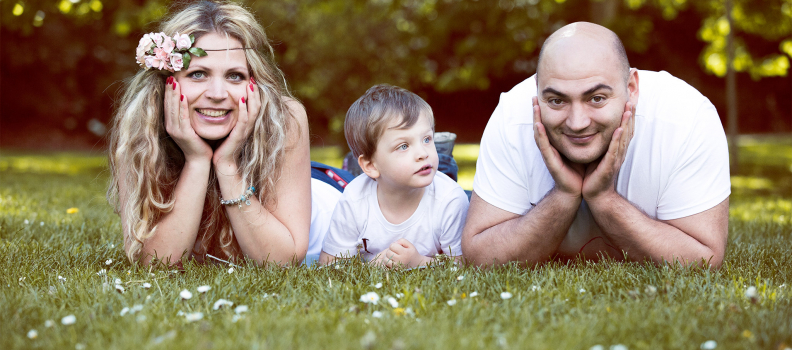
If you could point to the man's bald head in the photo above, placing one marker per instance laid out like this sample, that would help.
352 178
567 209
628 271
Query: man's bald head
584 39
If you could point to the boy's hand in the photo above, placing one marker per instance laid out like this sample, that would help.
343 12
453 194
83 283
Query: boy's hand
401 252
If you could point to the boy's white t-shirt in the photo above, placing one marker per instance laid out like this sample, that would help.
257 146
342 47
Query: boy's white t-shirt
323 201
434 228
677 163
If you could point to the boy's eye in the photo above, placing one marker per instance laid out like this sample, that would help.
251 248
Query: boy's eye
427 139
402 147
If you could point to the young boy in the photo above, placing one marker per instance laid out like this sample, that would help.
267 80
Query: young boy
403 212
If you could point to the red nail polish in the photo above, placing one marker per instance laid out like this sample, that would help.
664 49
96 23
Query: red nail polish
167 81
251 87
243 100
174 84
252 81
182 98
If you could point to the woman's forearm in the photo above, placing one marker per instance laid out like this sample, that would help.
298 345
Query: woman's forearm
176 232
260 235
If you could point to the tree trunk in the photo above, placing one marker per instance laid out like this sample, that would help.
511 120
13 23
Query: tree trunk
731 93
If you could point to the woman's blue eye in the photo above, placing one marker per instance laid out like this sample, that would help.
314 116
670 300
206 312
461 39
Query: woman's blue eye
236 77
197 75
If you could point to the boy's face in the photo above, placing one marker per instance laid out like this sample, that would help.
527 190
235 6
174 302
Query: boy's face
405 158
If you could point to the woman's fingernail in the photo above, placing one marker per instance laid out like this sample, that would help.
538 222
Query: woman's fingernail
251 87
252 81
243 100
182 98
167 81
174 84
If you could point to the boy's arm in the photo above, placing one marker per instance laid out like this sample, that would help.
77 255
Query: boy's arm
325 258
342 236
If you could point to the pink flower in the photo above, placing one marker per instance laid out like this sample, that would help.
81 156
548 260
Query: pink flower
176 61
159 60
145 43
157 38
182 41
168 45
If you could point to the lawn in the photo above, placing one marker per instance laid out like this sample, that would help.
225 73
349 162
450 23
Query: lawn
66 283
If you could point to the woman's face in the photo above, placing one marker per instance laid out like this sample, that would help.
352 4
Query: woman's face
214 85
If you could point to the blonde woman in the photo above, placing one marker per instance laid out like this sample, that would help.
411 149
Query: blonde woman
209 152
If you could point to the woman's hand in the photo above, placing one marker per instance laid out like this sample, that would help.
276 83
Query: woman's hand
177 124
248 111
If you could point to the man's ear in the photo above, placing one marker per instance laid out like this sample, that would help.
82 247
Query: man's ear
632 86
368 167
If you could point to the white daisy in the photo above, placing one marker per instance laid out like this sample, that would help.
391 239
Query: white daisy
370 298
68 320
231 270
220 303
146 285
193 316
124 311
376 314
136 308
393 303
241 309
618 347
582 291
185 294
709 345
459 278
750 293
108 261
506 295
474 294
49 323
32 334
378 285
204 289
451 302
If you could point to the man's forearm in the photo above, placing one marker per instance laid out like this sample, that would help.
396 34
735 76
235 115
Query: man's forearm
531 238
642 237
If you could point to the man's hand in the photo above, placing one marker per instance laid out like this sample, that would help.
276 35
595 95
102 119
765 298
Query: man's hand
601 175
568 177
403 253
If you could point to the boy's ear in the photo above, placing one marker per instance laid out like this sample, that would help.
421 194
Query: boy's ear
368 167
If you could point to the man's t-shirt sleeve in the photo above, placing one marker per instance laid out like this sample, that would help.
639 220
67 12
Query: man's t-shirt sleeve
499 179
453 221
700 179
342 236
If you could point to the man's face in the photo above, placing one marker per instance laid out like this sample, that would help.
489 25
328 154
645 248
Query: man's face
582 99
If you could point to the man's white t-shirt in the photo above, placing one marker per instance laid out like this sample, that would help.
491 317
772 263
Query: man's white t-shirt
677 163
434 228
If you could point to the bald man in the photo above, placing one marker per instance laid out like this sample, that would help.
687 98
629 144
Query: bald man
574 161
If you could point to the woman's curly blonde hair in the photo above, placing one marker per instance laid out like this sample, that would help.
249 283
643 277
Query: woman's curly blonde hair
147 163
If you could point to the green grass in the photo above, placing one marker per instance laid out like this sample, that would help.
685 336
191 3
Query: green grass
304 307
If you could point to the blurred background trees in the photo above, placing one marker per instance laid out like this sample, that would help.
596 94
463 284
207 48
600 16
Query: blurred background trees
63 60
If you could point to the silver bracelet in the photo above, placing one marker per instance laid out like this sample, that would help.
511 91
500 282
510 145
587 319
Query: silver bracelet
243 198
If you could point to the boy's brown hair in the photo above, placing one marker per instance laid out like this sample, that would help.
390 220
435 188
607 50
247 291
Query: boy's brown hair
368 117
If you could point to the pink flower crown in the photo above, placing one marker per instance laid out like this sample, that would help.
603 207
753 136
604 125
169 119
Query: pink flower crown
159 51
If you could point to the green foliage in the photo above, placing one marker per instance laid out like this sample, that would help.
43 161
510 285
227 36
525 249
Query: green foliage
59 262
